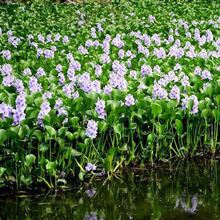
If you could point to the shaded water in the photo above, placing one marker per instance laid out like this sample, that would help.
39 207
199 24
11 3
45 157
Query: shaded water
182 190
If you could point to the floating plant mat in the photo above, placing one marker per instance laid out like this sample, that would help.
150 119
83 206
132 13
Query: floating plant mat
95 87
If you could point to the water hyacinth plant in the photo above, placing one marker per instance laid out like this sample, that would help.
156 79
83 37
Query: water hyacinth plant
106 85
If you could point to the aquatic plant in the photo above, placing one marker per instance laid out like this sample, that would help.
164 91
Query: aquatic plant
108 84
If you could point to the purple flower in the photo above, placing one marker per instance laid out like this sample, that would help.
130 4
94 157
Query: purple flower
65 39
108 89
8 80
18 113
205 85
151 18
177 67
34 86
97 86
89 43
100 108
121 53
83 50
57 37
105 58
61 78
5 110
19 86
49 38
98 70
90 167
75 65
185 81
48 54
197 71
14 41
6 69
9 33
133 73
30 36
47 95
206 75
142 86
58 103
157 68
129 100
159 92
44 110
175 93
75 95
40 72
18 116
117 41
21 101
39 52
71 74
93 32
62 111
6 54
113 79
85 83
41 38
27 71
53 48
195 104
67 89
59 68
146 70
203 54
91 130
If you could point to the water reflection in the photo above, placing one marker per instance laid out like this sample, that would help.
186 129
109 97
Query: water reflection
185 207
181 190
91 192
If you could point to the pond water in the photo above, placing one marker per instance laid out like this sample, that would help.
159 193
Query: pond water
181 190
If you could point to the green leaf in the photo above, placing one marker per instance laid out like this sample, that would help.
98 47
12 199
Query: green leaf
30 159
2 170
3 136
102 126
216 114
132 126
172 103
62 181
150 138
74 121
117 129
38 101
70 135
51 166
157 109
75 153
51 131
189 104
62 131
26 181
108 163
38 134
179 127
44 147
81 176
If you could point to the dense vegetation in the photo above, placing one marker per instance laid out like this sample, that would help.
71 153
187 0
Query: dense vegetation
86 87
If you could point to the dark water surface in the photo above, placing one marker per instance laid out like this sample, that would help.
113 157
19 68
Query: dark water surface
181 190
